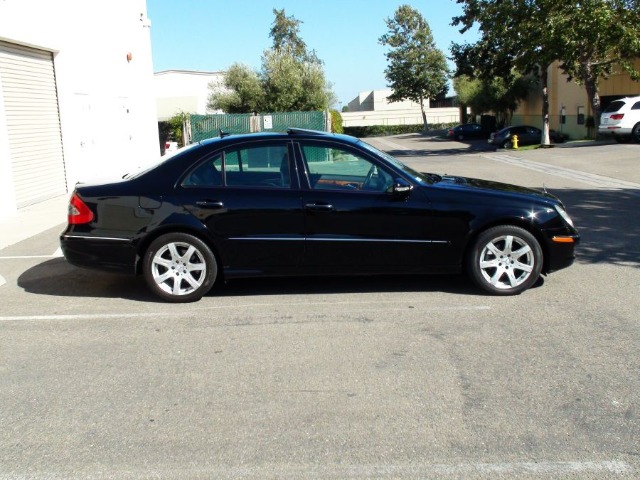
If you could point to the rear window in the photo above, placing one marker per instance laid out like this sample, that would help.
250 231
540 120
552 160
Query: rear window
614 106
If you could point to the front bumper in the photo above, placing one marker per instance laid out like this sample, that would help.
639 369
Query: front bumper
560 251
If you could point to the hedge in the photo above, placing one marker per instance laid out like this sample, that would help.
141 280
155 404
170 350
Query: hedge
381 130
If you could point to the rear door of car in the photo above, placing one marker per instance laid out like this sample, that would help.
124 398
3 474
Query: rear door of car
249 199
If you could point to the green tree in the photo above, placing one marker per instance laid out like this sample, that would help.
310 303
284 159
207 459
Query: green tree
285 33
416 69
243 92
291 78
500 95
588 37
518 35
599 35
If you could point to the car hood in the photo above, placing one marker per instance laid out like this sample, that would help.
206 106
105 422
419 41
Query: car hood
452 181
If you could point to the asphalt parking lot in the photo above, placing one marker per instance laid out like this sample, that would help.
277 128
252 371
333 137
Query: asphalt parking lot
403 377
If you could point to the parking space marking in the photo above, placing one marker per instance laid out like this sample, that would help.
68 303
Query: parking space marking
584 177
171 314
390 144
370 470
2 281
27 257
56 254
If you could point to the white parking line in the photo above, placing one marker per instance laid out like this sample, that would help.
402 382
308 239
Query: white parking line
172 313
2 280
27 257
381 470
56 254
389 144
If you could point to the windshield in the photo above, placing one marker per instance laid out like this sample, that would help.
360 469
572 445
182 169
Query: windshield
421 178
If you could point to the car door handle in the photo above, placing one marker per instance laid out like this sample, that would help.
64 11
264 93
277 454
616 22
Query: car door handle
318 206
210 204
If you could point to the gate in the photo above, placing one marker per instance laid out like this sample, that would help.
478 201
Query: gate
200 127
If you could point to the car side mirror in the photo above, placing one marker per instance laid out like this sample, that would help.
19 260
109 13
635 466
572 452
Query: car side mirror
401 188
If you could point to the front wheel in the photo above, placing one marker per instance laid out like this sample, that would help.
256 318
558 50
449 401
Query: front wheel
507 144
179 267
505 260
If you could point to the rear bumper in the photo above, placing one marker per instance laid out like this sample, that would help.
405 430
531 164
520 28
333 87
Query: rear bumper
614 131
102 253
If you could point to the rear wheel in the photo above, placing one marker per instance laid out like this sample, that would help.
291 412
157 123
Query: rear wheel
505 260
179 267
507 144
635 133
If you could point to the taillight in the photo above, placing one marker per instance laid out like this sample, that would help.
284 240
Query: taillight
167 145
617 116
79 213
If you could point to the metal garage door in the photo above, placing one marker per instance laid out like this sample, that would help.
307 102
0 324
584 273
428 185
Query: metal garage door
28 85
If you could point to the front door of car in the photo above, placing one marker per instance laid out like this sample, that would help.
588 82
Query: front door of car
248 197
353 220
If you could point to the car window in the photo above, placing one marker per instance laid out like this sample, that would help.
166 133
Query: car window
258 166
334 168
207 174
636 106
614 106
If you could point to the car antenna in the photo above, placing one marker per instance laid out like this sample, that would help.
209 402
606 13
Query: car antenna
224 134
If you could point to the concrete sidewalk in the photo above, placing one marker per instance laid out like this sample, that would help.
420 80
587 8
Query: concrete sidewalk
32 220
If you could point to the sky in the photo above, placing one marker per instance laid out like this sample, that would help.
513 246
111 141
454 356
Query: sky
211 35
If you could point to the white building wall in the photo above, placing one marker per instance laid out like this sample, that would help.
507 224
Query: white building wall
378 100
104 75
400 117
373 108
184 91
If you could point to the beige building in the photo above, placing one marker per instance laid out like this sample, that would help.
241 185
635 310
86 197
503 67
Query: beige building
569 105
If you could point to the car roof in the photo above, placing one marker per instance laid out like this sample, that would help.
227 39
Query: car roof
291 133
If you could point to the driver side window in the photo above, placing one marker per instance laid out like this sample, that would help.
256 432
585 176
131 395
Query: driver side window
332 168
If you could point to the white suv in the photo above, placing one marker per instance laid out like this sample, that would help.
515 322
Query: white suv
621 119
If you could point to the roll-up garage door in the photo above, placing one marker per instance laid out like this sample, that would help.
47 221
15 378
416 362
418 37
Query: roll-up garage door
28 85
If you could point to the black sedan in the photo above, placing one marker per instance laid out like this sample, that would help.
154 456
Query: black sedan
467 131
527 135
310 203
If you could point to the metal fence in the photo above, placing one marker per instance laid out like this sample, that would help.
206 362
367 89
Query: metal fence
200 127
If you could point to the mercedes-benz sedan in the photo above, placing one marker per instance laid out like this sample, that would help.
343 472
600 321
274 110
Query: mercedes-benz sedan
310 203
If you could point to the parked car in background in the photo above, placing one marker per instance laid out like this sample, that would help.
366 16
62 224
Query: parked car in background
527 135
621 120
467 131
311 203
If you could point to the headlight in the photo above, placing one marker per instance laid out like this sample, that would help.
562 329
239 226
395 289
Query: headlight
565 216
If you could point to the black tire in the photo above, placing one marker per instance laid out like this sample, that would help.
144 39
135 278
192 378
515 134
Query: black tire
505 260
507 144
460 137
635 133
179 267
